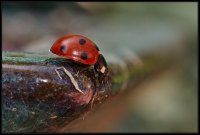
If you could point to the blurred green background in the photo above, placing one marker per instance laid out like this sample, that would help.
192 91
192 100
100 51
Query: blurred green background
167 104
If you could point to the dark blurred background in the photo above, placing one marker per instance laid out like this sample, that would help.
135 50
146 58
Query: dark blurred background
167 104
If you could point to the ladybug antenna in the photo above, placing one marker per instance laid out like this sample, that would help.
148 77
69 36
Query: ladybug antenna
101 64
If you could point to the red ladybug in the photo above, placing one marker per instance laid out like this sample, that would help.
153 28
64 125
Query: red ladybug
81 50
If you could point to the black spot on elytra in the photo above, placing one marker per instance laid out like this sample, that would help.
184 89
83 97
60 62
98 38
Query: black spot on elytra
83 55
82 41
62 48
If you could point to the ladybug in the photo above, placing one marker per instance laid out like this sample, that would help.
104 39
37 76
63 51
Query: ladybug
81 50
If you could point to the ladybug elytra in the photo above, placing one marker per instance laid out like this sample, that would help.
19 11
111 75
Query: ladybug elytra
81 50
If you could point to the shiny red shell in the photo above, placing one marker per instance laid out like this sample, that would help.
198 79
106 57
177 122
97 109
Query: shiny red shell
77 48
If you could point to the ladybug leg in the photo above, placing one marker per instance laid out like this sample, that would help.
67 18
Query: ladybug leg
101 68
96 94
92 100
71 78
96 83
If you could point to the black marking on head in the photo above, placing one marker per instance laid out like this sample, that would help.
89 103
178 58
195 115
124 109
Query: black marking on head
62 48
96 47
82 41
83 55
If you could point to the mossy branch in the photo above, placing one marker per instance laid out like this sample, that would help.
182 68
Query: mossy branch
35 99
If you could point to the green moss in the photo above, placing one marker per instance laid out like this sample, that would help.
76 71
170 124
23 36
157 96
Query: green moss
119 79
25 57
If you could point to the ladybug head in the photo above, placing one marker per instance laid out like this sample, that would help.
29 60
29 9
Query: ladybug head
101 65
